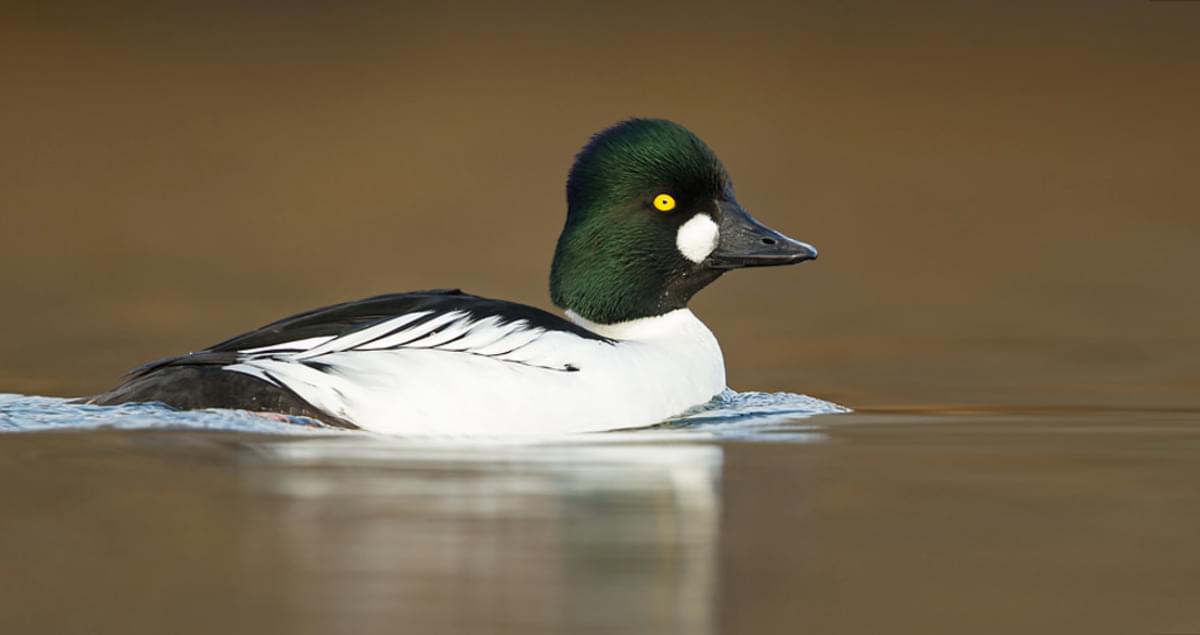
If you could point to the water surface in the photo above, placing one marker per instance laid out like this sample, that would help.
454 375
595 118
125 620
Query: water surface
951 521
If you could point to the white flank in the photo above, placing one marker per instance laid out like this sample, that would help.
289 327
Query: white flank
697 238
480 377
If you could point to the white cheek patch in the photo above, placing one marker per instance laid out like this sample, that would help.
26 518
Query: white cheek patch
697 238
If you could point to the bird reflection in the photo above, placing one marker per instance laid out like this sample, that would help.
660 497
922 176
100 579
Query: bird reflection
517 538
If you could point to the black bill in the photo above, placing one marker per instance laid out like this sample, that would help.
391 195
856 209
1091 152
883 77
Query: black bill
745 242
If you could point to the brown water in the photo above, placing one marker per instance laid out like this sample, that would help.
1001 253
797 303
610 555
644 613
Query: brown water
1006 203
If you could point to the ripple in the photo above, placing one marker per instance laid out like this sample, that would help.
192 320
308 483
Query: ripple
26 413
733 405
730 411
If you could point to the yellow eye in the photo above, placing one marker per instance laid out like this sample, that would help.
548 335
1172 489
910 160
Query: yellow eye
664 202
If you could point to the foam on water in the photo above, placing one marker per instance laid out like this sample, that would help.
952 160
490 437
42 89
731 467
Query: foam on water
25 413
732 406
730 411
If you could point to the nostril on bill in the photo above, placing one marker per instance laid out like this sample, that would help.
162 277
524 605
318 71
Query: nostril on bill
768 241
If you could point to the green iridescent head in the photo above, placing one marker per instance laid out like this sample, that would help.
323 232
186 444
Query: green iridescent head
651 220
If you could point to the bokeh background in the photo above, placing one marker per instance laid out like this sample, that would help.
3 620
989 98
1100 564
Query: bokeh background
1004 194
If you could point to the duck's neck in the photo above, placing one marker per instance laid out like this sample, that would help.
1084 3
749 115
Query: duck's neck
645 328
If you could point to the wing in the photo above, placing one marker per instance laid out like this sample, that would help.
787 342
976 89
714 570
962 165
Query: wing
439 318
298 365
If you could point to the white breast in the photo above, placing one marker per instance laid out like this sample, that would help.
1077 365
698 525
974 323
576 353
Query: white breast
455 375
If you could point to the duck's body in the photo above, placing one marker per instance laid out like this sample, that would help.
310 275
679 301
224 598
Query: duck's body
651 220
445 362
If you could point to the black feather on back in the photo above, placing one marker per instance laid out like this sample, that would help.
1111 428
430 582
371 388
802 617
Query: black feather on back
347 317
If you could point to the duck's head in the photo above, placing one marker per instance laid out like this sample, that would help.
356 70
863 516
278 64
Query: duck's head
651 220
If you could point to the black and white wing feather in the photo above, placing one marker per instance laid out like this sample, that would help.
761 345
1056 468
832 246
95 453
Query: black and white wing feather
311 363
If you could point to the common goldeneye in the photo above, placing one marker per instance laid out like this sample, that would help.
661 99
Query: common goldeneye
651 220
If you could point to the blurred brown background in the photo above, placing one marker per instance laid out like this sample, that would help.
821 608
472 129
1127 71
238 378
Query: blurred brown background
1004 194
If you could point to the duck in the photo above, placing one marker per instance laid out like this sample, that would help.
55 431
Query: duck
651 220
